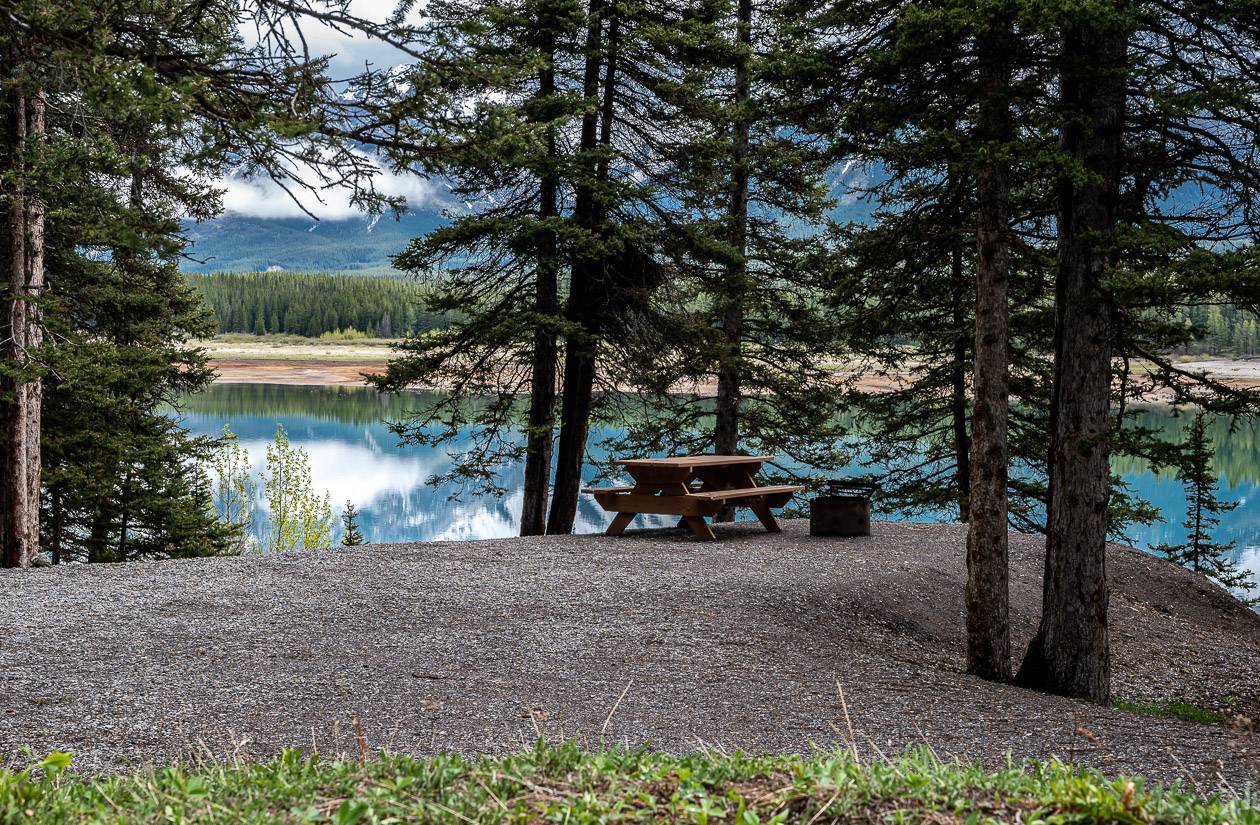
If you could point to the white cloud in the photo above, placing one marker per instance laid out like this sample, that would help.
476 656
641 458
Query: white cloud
350 471
350 50
260 197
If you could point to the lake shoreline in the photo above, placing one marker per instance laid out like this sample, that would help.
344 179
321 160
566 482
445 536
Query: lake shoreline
321 363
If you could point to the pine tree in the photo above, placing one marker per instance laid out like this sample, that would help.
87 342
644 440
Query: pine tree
746 328
1116 281
1129 259
502 261
563 167
26 127
158 99
1070 653
350 535
988 596
300 299
941 125
1199 552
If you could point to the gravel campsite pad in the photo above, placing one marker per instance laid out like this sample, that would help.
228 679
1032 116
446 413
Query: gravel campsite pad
653 638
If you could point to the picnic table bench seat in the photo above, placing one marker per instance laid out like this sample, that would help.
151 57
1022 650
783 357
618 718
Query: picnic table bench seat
780 492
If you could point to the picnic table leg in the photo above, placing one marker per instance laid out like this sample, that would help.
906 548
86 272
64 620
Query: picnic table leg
700 527
641 488
620 523
762 510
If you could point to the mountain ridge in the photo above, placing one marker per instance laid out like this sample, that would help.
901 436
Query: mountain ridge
239 243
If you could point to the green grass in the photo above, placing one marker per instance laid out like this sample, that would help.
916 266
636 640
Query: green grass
564 784
1174 710
282 339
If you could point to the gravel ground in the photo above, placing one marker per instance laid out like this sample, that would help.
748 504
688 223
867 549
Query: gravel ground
649 638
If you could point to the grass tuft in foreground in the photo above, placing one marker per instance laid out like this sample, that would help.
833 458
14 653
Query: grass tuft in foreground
1174 710
564 784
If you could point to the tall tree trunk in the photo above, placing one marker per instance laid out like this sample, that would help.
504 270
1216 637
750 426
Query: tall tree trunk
581 309
34 333
729 399
726 420
26 281
988 591
958 408
1071 651
542 384
97 537
58 526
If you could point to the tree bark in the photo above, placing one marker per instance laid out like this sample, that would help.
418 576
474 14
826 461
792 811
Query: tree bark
988 589
1070 654
959 410
580 309
542 384
58 527
20 538
35 280
98 536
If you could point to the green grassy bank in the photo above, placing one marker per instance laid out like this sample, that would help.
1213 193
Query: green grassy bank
563 784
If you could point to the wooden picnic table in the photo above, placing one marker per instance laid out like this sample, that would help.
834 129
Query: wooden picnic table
668 486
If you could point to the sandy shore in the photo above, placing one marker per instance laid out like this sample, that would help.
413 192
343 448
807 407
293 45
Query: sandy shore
314 363
320 363
311 372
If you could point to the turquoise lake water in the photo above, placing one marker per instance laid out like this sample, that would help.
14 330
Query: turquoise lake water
354 456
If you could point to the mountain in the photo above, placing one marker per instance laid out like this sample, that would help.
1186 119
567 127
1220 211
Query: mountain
235 243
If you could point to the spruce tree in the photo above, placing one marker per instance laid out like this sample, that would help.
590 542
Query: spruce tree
350 535
744 363
1070 653
25 124
1199 552
160 97
941 124
499 264
1132 97
562 168
988 590
910 110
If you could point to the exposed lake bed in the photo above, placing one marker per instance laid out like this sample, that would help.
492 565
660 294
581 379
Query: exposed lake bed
250 359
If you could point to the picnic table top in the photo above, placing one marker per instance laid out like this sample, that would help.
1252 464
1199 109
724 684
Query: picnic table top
695 461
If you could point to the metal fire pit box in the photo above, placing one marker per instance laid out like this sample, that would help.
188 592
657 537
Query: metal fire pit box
844 511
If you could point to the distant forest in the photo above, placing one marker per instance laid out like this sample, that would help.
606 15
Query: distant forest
1225 331
311 304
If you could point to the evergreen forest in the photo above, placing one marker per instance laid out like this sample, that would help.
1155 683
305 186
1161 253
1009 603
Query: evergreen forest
312 304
